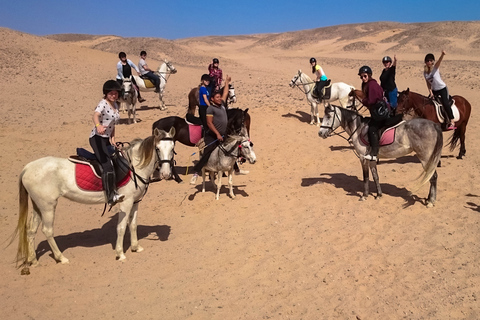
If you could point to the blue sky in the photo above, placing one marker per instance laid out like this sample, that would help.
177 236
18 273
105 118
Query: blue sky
175 19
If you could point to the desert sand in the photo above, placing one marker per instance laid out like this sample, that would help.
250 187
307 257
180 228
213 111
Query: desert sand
296 243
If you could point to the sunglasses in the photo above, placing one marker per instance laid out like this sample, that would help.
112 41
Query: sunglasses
365 76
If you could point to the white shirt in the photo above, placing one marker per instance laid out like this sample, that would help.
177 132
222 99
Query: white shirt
141 65
434 79
108 118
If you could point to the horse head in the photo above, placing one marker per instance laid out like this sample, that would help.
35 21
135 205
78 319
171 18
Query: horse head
403 104
331 121
164 148
246 150
232 98
171 68
295 78
127 87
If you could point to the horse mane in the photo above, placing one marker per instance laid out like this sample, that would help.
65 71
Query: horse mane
145 150
306 76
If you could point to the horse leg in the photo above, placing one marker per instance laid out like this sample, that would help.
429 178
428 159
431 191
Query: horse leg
129 109
32 227
365 180
204 175
461 135
432 195
312 112
230 183
134 110
121 227
132 224
162 104
219 184
373 168
47 212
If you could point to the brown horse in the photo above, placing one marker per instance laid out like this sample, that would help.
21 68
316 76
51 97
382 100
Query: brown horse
423 107
194 102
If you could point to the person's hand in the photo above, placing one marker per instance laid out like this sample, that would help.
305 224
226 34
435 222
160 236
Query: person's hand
101 129
228 79
219 137
443 52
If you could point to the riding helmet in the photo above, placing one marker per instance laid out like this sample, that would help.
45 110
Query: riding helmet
429 56
313 60
365 69
215 60
206 77
386 59
111 85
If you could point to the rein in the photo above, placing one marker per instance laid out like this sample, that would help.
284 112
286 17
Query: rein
299 77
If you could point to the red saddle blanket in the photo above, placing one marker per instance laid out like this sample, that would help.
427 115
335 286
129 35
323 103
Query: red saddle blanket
388 136
195 132
88 181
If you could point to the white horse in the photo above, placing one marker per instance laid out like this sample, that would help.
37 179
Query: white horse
339 91
47 179
128 98
164 72
223 158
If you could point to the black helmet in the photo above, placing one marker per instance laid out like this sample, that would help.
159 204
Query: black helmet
215 60
111 85
386 59
429 56
205 77
313 60
365 69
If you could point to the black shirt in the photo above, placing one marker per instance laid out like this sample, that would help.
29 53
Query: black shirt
387 79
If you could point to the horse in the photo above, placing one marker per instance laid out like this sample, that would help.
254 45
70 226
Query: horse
47 179
418 135
164 72
424 107
237 118
339 91
129 98
193 98
223 158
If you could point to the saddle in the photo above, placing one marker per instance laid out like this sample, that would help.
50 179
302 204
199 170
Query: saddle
88 171
148 82
387 134
326 91
441 113
194 128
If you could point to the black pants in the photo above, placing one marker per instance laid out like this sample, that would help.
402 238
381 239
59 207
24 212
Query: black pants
445 101
319 86
373 138
120 81
202 112
99 145
210 146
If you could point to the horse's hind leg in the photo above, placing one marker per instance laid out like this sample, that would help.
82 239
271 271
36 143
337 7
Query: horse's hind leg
461 133
32 227
432 195
219 184
365 180
133 229
121 227
47 212
373 168
230 183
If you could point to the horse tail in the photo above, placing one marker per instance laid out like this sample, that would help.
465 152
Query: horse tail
454 139
431 166
21 229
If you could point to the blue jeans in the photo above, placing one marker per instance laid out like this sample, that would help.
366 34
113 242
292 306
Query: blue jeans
154 78
392 98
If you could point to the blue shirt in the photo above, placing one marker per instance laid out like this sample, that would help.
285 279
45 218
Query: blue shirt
203 91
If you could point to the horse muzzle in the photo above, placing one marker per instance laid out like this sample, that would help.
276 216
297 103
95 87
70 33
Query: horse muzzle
323 132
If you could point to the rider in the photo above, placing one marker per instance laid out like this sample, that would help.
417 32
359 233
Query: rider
437 87
321 79
387 80
215 74
103 135
204 99
124 70
146 72
373 100
217 121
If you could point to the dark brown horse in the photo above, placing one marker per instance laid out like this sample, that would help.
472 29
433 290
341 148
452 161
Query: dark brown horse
423 107
237 118
194 102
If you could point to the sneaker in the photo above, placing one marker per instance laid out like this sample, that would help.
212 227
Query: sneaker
118 197
194 178
141 100
156 90
451 127
370 157
240 172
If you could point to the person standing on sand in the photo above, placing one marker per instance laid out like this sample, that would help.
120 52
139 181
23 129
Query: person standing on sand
215 74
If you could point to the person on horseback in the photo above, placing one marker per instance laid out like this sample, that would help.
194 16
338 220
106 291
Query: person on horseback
215 74
321 79
124 70
438 88
387 80
103 135
217 122
378 108
146 72
204 100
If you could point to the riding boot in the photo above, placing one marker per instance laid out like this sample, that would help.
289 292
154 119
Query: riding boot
109 186
374 143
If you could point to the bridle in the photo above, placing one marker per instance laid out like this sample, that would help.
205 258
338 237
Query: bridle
171 70
236 150
299 77
336 117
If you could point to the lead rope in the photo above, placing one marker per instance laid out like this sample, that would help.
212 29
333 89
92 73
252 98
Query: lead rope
199 149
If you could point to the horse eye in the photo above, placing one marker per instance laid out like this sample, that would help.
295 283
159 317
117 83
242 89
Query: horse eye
251 144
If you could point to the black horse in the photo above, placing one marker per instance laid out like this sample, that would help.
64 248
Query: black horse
237 118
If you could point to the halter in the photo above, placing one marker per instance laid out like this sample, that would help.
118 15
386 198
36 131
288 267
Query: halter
171 71
238 148
333 133
299 77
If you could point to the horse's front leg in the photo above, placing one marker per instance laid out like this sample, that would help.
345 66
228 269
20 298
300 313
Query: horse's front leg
121 227
230 183
162 104
132 224
432 195
313 106
219 184
134 111
365 171
204 175
373 168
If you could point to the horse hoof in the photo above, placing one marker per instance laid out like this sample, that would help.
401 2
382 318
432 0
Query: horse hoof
430 205
64 260
139 249
25 271
363 198
121 258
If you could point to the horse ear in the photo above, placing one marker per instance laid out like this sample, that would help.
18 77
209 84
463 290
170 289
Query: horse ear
172 132
408 90
246 110
158 134
299 71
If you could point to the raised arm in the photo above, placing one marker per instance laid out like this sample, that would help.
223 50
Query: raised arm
225 91
437 64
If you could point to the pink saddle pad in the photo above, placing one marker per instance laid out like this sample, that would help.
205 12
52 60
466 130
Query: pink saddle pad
195 132
388 136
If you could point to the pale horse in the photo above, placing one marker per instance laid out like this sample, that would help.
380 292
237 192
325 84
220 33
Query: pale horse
164 72
128 98
223 158
339 91
47 179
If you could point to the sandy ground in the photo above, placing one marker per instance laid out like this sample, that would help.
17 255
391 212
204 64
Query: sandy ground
295 243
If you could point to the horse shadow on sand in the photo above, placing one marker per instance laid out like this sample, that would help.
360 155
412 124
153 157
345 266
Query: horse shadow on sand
146 107
300 115
106 234
210 188
472 205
